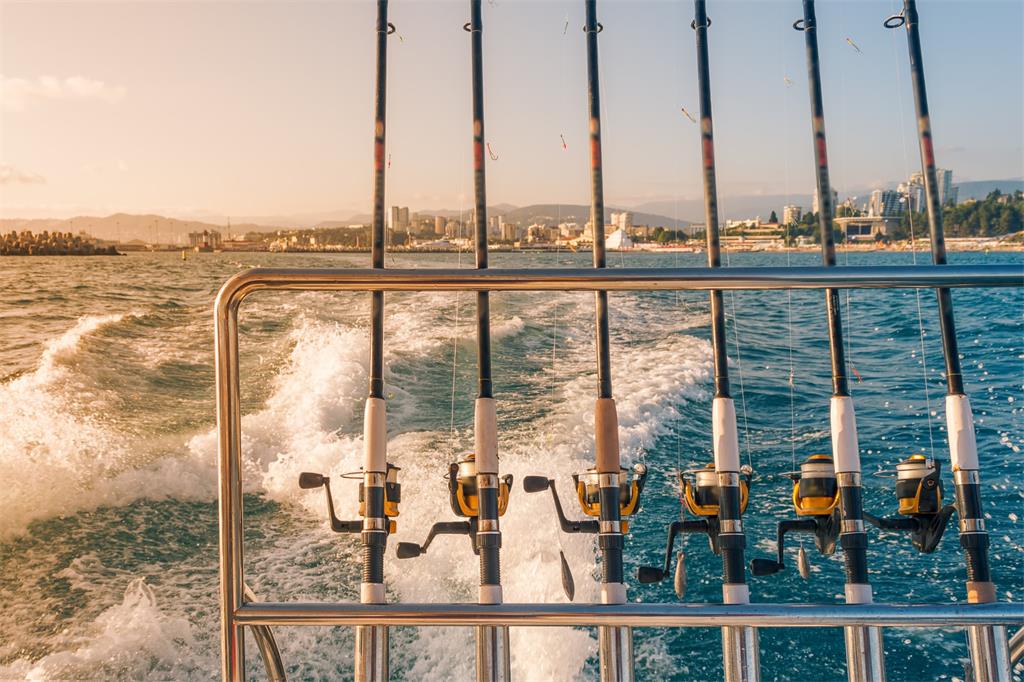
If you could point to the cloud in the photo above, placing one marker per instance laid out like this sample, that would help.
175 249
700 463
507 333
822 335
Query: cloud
9 175
18 94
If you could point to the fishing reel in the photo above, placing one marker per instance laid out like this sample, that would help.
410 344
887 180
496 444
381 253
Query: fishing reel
588 494
919 493
699 495
392 497
464 498
816 499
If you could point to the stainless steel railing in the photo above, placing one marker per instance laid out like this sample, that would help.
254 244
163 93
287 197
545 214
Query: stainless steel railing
237 612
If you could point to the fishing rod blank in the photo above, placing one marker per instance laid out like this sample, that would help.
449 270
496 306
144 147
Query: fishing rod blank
716 494
606 491
740 645
492 641
476 492
864 655
616 643
989 654
379 491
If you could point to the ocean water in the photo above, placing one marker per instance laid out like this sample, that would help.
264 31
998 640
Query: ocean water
108 530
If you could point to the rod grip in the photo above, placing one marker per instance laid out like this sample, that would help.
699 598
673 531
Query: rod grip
485 427
606 436
375 436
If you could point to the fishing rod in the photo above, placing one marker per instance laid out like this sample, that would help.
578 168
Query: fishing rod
989 655
717 494
864 654
607 491
379 490
476 492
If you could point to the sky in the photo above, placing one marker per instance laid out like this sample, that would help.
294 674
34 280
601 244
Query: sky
266 108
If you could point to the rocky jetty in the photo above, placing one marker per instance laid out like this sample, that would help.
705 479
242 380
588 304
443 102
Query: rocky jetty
51 244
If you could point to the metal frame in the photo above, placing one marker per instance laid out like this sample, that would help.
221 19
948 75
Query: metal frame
236 613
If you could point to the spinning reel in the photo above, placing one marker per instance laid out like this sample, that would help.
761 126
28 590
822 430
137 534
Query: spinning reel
699 495
466 500
392 497
919 492
588 494
816 498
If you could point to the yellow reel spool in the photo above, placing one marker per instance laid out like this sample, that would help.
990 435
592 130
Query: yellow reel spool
711 509
469 503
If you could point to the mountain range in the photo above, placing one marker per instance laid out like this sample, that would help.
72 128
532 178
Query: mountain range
163 229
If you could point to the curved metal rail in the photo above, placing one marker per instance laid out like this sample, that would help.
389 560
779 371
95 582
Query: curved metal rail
238 609
267 645
1017 648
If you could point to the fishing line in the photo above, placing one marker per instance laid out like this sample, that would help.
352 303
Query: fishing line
913 248
789 263
739 355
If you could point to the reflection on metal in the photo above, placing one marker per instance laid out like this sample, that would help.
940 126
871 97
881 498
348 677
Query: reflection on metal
1017 648
237 614
637 615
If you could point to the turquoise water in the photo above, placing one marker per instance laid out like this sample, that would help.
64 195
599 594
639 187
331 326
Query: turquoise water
108 554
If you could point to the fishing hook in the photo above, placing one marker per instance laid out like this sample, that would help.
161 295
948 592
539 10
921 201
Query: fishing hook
564 145
494 157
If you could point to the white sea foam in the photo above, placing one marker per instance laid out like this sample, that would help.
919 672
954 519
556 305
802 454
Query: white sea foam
133 639
312 421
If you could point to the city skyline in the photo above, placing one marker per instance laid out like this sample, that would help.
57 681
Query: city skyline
150 108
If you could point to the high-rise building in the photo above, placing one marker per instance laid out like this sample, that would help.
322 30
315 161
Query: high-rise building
494 226
624 222
509 231
791 214
947 193
885 203
816 204
439 223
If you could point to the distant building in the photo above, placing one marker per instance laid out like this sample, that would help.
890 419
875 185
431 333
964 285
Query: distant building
866 227
439 223
791 214
946 191
207 240
885 203
400 218
816 204
509 231
618 240
622 221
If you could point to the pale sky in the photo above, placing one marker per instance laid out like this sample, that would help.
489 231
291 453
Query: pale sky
265 108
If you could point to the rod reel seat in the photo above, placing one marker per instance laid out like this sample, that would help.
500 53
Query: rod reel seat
464 498
588 492
816 501
392 498
699 496
919 495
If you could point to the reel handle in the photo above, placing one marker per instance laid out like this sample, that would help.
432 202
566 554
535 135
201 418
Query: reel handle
410 550
649 574
308 481
763 567
535 484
